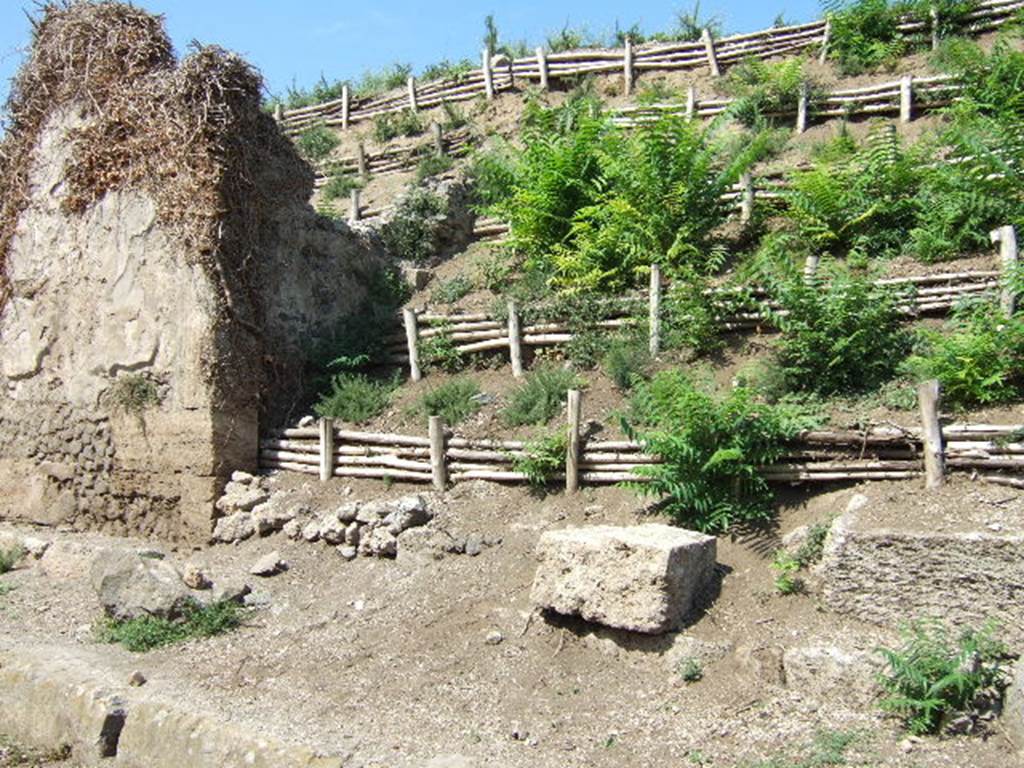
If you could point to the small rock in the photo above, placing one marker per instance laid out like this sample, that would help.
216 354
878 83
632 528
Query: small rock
151 554
494 638
379 543
311 531
230 591
256 600
137 679
235 527
347 490
293 529
474 544
129 587
195 577
519 733
352 534
35 547
369 513
857 502
270 564
347 552
242 478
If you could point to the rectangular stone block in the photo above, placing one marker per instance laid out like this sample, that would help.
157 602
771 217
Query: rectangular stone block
640 578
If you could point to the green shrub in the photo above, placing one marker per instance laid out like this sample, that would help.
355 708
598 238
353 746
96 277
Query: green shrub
10 557
978 358
411 234
689 316
810 551
450 291
543 458
146 633
540 397
316 143
931 676
378 81
843 336
440 353
711 447
432 165
764 90
786 567
340 185
454 401
355 398
390 125
447 70
133 393
864 34
627 360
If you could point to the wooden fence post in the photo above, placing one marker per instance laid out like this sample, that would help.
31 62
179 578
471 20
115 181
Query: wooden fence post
691 102
438 133
746 198
413 104
655 310
411 339
364 171
811 268
709 46
826 38
1006 237
934 460
353 206
438 468
906 98
346 107
326 449
934 14
542 67
488 74
801 109
515 343
279 112
627 66
574 409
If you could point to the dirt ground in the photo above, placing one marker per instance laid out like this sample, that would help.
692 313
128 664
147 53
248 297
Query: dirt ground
389 662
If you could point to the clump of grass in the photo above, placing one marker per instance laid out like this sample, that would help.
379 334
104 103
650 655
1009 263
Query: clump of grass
450 291
932 676
147 632
10 557
809 552
316 143
542 459
626 361
540 397
133 393
453 401
691 670
355 398
432 165
340 185
393 124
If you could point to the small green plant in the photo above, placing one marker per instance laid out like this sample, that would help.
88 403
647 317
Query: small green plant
316 143
447 70
10 557
765 90
454 401
809 552
843 336
147 632
133 393
626 361
542 458
540 397
450 291
978 358
339 185
355 398
441 353
391 125
711 447
932 676
432 165
691 670
786 567
412 232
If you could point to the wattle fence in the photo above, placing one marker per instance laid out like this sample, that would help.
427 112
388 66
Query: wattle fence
473 332
498 74
993 452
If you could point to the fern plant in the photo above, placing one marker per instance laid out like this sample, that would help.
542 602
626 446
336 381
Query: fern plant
931 676
712 449
765 90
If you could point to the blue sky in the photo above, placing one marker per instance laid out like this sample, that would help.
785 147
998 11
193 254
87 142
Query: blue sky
297 41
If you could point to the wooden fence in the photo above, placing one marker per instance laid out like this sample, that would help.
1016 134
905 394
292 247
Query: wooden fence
472 332
498 74
442 457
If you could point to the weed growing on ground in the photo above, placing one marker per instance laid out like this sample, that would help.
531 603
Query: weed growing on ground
931 676
10 557
355 398
808 553
133 393
391 125
340 185
540 397
627 361
432 165
454 401
440 353
411 233
543 458
316 143
691 670
786 567
450 291
147 633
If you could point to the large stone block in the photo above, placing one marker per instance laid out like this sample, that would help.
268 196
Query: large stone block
642 578
888 566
